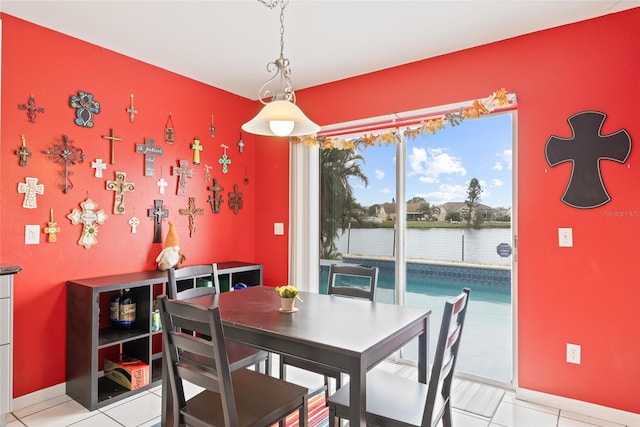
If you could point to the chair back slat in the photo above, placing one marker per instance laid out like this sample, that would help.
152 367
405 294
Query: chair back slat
445 358
190 272
348 280
198 377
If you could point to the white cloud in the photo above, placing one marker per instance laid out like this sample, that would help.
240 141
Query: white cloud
386 191
507 157
498 166
431 163
379 174
497 182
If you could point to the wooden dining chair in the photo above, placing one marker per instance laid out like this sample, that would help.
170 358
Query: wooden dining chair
240 355
348 281
230 398
398 401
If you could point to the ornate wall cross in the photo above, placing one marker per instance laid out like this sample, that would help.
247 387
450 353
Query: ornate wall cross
158 212
90 218
52 228
66 154
150 152
31 108
99 167
216 200
85 107
23 152
207 174
30 189
224 160
120 186
235 200
132 111
192 212
183 172
212 129
112 138
197 148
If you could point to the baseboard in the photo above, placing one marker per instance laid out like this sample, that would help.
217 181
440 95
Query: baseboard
38 396
578 406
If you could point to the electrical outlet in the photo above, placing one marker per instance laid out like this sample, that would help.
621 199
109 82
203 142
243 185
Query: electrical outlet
573 353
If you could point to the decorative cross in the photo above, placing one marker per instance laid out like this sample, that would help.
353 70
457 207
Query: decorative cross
212 129
235 200
66 154
169 132
52 228
85 107
31 108
150 152
216 200
132 111
207 174
183 172
241 144
99 167
134 223
30 189
112 137
224 160
23 152
197 148
192 212
120 186
158 212
90 217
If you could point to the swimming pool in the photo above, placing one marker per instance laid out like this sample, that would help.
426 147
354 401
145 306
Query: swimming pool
486 346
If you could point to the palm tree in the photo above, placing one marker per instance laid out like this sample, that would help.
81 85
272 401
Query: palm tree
338 207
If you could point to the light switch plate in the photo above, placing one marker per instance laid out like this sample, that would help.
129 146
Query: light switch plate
31 234
278 228
565 237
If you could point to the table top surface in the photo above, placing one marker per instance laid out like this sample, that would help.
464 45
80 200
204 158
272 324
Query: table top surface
345 324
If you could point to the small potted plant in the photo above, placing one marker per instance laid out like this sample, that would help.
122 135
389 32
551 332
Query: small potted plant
288 296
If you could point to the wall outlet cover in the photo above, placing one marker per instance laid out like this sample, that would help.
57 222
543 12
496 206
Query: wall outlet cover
31 234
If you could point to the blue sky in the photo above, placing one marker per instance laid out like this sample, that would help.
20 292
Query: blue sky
440 166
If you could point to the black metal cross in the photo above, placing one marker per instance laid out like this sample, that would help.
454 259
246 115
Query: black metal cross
66 154
235 200
585 149
216 200
158 212
192 212
31 108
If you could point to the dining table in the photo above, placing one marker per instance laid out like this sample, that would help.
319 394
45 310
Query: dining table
349 334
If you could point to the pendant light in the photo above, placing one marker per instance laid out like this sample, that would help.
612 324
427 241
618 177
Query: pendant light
280 115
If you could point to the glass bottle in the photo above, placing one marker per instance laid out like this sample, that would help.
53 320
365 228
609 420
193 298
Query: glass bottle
114 310
127 310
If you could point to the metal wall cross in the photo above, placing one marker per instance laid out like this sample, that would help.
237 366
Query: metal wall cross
216 200
158 212
235 200
132 111
23 152
120 186
225 161
192 212
65 154
112 137
31 108
150 152
86 107
183 172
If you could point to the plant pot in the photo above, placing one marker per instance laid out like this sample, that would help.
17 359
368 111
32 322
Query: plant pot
287 304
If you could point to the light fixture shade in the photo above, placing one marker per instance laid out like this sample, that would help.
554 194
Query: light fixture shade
281 110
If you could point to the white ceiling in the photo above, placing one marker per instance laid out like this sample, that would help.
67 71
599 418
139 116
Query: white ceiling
227 44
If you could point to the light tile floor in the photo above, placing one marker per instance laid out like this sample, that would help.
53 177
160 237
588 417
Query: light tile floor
143 410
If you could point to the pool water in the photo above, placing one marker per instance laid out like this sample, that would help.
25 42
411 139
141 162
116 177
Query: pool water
486 345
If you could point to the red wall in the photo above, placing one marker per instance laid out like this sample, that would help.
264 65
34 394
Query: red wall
52 67
588 294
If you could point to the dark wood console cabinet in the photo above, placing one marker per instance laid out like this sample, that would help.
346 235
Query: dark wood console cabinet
90 337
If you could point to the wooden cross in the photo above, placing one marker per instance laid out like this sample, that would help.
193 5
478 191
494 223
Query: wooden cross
120 186
235 200
169 132
52 228
30 189
112 137
23 152
183 172
132 111
158 212
224 160
90 217
192 212
31 108
99 167
66 154
216 200
150 152
197 148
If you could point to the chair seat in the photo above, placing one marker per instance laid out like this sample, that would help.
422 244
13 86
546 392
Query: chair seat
255 396
389 397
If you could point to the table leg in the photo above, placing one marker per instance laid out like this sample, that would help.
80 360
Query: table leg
423 354
358 395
